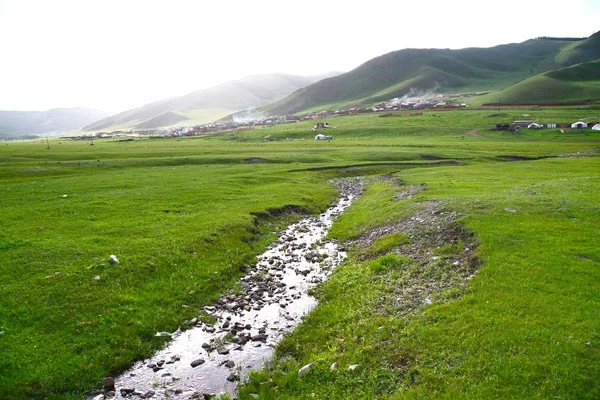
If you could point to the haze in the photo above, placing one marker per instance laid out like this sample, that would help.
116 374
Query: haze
117 55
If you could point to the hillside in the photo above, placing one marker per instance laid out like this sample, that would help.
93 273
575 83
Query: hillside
209 104
576 83
453 71
15 123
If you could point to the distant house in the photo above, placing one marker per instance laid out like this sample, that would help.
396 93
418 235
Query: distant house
596 127
522 124
579 125
322 137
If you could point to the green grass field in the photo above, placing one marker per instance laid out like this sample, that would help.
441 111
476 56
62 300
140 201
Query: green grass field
186 217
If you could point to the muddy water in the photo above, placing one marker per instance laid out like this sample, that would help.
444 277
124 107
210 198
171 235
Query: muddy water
272 301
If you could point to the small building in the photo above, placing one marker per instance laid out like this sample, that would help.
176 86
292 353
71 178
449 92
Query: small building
596 127
320 136
522 124
579 125
502 127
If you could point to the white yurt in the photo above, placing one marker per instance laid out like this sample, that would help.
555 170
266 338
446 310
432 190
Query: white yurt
579 124
596 127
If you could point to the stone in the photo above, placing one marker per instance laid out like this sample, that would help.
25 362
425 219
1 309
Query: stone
222 350
304 370
233 377
108 384
353 367
126 391
113 259
333 366
197 362
99 397
230 364
96 278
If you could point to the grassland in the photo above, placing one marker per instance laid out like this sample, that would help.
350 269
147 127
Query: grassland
185 217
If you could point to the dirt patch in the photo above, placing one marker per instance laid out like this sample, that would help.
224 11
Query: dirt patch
430 157
473 132
256 160
519 158
408 192
389 178
441 259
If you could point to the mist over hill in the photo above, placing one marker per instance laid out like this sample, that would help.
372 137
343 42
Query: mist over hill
16 123
452 71
208 105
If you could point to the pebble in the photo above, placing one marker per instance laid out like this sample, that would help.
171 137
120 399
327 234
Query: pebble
197 362
304 370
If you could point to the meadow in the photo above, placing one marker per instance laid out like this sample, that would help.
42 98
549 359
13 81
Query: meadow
185 218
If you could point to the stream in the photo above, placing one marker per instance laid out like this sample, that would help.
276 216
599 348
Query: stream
211 359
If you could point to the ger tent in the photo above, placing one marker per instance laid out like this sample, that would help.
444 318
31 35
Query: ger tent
579 124
596 127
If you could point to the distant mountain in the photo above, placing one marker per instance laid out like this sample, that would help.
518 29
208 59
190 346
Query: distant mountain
15 123
452 71
209 104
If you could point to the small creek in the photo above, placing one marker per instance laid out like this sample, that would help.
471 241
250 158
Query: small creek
272 300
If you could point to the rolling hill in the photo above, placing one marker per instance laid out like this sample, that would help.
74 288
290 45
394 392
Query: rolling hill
452 71
210 104
15 123
576 83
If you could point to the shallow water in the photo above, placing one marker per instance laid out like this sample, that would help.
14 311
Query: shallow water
272 301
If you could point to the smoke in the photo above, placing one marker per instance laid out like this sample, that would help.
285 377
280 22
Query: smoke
246 116
417 94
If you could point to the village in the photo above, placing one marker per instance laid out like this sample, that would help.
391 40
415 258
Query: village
232 124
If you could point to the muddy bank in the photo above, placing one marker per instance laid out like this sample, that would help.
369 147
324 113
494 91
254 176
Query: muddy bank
238 333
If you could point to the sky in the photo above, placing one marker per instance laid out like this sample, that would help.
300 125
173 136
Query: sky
117 55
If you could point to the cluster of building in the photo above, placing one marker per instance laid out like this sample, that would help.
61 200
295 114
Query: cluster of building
517 125
233 124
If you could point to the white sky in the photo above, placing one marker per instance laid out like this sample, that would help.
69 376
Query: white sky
116 55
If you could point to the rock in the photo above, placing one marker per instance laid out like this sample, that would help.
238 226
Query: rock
230 364
333 366
222 350
197 362
113 259
126 391
233 377
96 278
210 329
288 317
353 367
99 397
510 210
108 384
304 370
261 337
111 394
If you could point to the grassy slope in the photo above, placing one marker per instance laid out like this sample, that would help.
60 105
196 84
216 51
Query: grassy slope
453 71
172 210
578 82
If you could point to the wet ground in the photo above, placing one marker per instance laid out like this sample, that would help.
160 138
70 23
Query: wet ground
211 358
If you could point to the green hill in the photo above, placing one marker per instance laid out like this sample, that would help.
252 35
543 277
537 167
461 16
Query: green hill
452 71
576 83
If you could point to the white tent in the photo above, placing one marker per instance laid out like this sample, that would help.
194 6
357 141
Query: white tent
596 127
579 124
321 137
